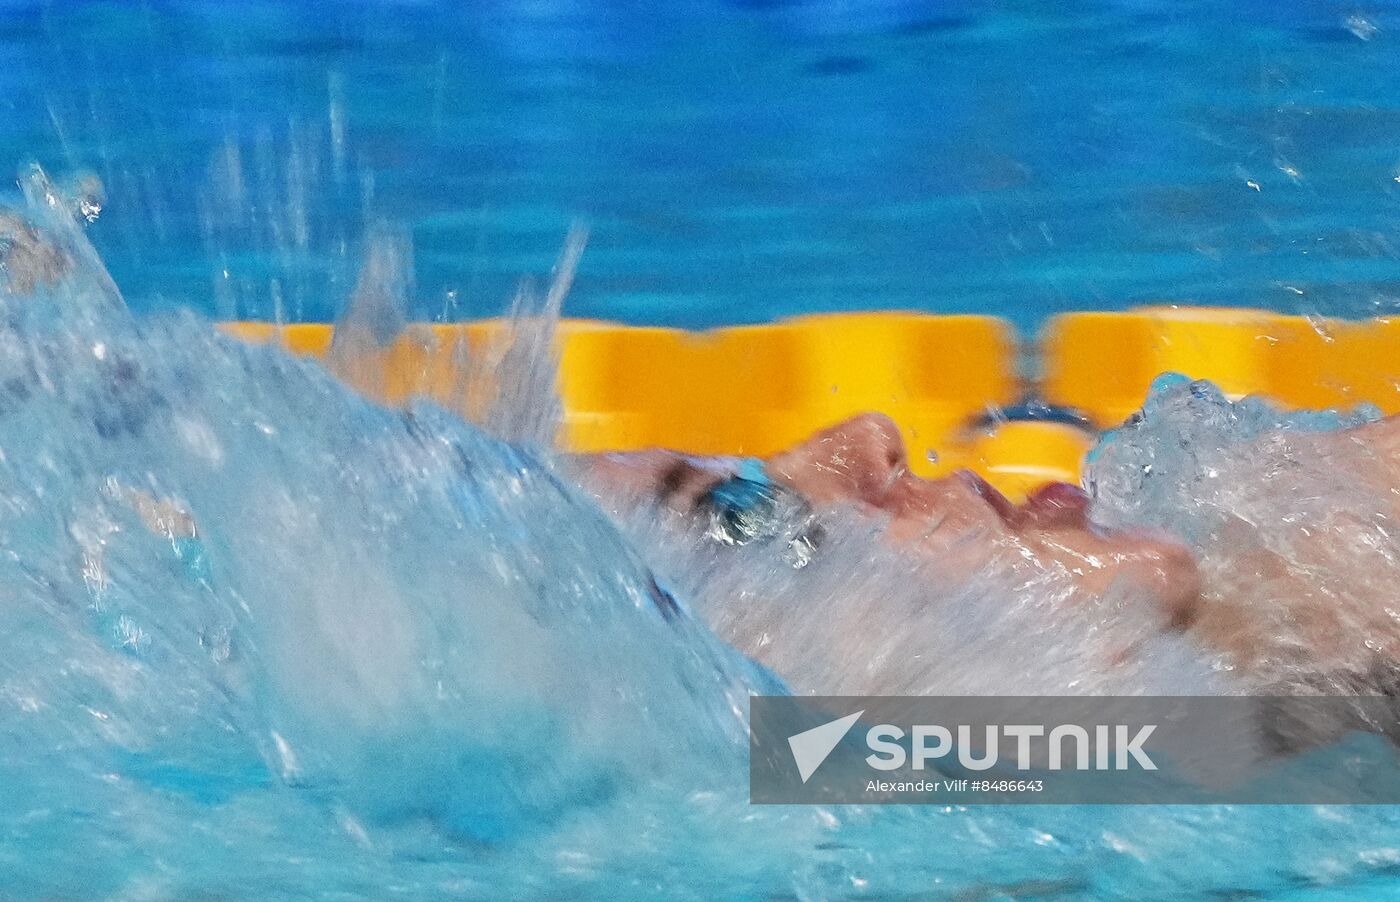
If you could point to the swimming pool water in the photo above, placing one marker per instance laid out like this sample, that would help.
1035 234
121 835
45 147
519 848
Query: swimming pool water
376 683
736 160
412 662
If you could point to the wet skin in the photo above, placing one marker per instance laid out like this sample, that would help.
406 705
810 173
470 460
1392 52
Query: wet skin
1314 602
1272 615
961 520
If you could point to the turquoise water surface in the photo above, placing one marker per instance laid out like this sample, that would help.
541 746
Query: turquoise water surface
405 657
736 160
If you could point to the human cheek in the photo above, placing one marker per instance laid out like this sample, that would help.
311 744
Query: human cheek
1159 570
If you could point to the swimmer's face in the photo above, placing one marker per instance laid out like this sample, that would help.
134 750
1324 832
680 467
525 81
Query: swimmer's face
961 519
970 524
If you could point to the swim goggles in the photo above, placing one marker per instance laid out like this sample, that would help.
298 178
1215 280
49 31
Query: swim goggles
750 507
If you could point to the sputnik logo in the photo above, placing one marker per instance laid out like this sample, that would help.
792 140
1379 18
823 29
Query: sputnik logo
811 747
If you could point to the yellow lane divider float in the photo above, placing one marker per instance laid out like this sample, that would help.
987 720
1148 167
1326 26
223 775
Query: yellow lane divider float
1102 363
757 389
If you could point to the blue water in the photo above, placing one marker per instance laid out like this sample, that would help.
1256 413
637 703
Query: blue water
405 658
736 160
